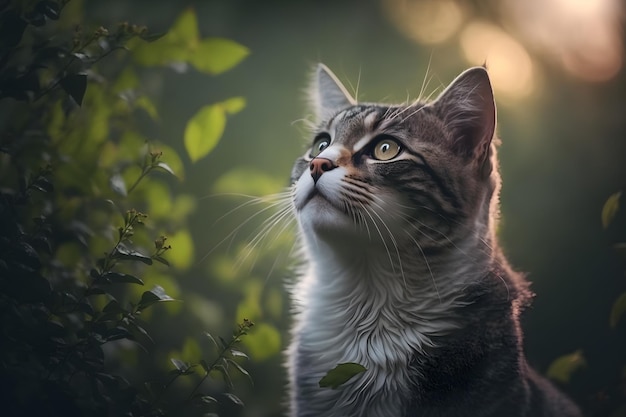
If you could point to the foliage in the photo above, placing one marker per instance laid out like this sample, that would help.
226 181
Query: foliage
74 164
341 374
610 398
562 368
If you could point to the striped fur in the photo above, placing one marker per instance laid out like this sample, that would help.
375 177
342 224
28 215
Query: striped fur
403 274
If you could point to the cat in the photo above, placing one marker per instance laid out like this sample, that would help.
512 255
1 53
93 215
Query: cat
397 208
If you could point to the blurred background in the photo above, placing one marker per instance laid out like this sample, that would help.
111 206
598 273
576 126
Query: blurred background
557 68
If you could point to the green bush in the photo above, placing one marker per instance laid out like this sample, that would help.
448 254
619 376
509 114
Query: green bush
76 176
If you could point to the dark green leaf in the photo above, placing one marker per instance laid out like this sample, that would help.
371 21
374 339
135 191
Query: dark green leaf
239 368
222 370
75 85
223 342
207 400
233 398
161 260
42 184
95 291
204 365
86 308
341 374
151 37
123 253
182 366
141 330
155 295
238 354
118 333
210 337
113 307
118 277
49 8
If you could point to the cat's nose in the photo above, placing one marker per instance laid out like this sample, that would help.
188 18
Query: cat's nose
319 166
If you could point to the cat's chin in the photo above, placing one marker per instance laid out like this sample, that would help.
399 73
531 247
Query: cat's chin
320 216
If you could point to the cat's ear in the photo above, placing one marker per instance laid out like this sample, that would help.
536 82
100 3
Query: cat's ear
327 94
468 109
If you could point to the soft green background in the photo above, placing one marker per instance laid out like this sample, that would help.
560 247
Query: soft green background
563 153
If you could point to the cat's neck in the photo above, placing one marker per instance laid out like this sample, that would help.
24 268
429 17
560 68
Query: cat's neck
401 279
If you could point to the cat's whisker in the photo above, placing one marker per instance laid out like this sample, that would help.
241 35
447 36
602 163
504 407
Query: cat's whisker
430 271
426 77
252 201
380 234
266 227
283 198
393 239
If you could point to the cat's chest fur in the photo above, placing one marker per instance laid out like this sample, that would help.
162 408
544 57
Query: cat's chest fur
365 312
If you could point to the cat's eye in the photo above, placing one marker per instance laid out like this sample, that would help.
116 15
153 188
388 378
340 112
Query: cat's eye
321 142
386 149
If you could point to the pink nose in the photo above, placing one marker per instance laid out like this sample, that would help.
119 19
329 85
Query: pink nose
319 166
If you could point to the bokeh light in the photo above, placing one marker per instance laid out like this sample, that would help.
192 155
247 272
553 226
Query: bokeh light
510 66
426 21
581 36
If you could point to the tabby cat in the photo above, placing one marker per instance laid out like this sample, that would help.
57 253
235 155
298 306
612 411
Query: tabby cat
397 209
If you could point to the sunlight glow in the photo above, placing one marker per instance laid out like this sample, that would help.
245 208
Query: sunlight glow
510 66
426 21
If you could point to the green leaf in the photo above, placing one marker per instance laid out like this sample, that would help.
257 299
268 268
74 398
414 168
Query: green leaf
204 131
562 368
233 398
216 55
238 354
118 277
165 167
161 260
118 333
207 399
42 184
118 185
210 337
618 309
610 208
125 254
113 307
75 86
222 370
155 295
185 28
239 368
182 366
151 37
233 105
341 374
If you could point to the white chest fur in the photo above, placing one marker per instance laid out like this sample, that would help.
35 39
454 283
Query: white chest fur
363 313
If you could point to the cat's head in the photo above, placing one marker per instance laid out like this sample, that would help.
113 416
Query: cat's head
424 172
